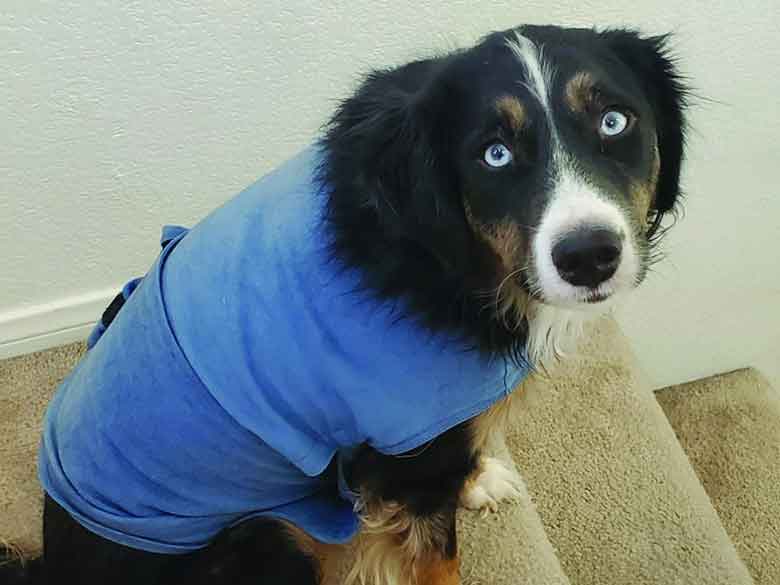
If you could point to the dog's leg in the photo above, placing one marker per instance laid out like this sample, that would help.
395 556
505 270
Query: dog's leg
73 554
496 481
441 567
408 505
496 478
399 547
261 550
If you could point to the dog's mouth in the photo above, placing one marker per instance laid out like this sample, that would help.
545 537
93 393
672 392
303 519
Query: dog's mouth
578 297
587 299
532 288
596 297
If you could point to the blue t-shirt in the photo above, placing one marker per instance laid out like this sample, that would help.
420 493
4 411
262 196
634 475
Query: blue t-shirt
240 365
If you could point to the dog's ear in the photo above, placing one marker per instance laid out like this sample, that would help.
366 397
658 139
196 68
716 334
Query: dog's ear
388 146
654 68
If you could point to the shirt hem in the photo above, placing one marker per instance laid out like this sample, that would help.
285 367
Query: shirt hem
448 423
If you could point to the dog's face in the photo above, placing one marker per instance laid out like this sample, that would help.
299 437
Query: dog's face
555 139
554 152
559 159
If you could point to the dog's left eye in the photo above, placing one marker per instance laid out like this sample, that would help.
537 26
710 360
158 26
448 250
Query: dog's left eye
613 123
498 155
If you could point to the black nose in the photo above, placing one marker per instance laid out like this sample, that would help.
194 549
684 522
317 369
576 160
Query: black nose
587 256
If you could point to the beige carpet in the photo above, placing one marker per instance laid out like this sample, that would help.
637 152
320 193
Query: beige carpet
623 489
729 426
25 386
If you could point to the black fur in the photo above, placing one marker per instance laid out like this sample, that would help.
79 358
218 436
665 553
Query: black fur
256 551
424 480
15 572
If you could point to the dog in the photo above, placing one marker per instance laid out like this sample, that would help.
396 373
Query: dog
333 352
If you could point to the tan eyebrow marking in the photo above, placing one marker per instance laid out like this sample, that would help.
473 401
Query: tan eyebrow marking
579 94
512 110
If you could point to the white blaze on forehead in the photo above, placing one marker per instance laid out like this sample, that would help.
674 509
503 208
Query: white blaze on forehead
538 72
574 204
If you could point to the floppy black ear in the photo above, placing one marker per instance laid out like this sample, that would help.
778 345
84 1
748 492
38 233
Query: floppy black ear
388 152
654 68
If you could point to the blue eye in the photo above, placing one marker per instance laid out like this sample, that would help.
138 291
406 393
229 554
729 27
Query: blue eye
498 155
613 123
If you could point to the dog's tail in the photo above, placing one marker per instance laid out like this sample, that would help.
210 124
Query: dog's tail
16 570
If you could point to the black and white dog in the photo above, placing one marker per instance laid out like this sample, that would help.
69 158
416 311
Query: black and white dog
508 192
536 166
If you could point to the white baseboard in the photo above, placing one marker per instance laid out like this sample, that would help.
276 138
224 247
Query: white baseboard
51 324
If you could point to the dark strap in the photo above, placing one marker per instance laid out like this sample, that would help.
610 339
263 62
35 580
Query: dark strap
111 311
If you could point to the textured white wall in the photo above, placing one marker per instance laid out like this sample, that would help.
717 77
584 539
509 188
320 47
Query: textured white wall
120 116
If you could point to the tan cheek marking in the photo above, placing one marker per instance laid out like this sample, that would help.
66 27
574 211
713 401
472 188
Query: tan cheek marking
506 242
504 239
512 110
655 173
644 193
579 92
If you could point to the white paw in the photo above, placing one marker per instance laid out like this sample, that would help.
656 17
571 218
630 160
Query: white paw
495 483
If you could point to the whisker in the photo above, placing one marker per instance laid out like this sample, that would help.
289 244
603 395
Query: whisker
491 292
504 281
528 227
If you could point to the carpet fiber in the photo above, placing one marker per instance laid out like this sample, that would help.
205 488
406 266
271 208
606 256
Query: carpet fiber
625 486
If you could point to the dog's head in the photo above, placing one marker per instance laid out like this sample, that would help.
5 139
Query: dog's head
535 166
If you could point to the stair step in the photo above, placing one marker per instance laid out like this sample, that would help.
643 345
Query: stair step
729 426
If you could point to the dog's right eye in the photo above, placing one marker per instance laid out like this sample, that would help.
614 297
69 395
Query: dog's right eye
615 122
497 155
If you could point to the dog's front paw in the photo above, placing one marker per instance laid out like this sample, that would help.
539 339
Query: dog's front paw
495 482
